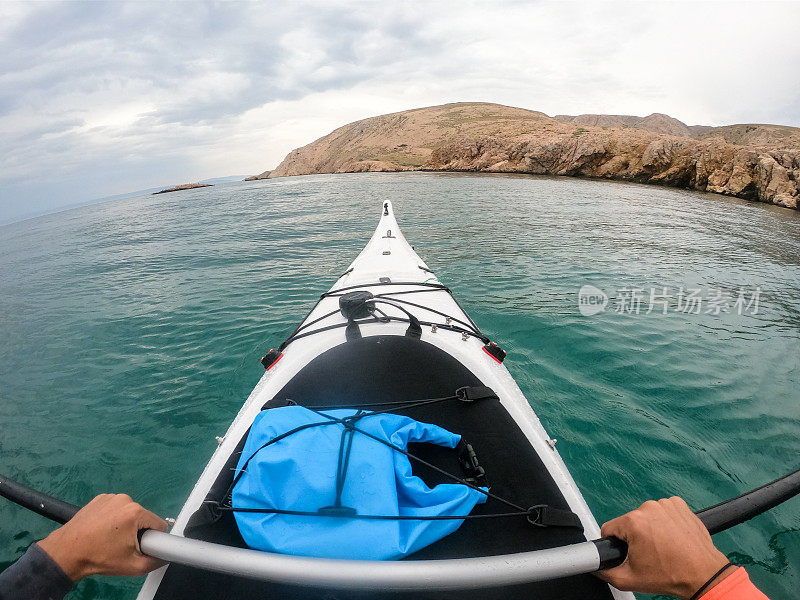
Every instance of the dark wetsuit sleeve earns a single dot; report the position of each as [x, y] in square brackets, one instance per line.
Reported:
[35, 576]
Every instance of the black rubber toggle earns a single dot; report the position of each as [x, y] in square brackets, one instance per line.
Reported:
[270, 358]
[495, 351]
[352, 331]
[475, 392]
[337, 511]
[414, 328]
[386, 209]
[354, 305]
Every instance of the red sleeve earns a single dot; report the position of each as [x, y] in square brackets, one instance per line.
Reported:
[736, 586]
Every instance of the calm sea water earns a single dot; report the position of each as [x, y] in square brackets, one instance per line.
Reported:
[132, 330]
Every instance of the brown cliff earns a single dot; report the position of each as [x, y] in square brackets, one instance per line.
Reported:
[756, 162]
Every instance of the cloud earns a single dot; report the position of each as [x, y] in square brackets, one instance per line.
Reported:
[101, 98]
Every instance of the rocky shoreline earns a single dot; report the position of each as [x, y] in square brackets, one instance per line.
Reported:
[264, 175]
[185, 186]
[755, 162]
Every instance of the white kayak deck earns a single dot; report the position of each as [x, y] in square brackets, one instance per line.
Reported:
[388, 255]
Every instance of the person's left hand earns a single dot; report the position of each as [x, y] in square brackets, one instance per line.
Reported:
[102, 539]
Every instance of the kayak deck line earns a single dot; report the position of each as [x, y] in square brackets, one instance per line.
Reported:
[369, 302]
[474, 476]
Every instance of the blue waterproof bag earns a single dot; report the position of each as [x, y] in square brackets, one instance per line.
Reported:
[303, 472]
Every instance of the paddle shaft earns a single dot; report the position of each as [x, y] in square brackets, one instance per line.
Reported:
[612, 551]
[719, 517]
[47, 506]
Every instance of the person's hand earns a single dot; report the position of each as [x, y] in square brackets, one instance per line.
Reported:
[102, 539]
[669, 550]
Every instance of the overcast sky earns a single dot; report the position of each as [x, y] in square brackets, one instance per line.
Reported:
[99, 99]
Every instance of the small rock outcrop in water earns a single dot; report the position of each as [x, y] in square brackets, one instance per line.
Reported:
[264, 175]
[185, 186]
[756, 162]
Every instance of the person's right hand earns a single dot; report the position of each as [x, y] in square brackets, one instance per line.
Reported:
[669, 550]
[102, 539]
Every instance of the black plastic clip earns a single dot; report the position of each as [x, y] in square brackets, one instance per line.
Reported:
[270, 358]
[475, 474]
[337, 511]
[475, 392]
[495, 351]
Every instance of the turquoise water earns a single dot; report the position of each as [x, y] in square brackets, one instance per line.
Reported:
[132, 331]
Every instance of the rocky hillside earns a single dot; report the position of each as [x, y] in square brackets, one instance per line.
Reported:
[757, 162]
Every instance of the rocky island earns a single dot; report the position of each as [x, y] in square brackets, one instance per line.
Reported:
[185, 186]
[756, 162]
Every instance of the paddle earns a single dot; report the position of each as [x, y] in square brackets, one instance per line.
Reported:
[40, 503]
[612, 551]
[716, 518]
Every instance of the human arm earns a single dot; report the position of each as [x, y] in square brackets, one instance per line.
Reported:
[671, 552]
[102, 538]
[34, 576]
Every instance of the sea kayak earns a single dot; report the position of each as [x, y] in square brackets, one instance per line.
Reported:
[389, 333]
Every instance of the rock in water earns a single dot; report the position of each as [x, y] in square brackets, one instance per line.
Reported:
[264, 175]
[185, 186]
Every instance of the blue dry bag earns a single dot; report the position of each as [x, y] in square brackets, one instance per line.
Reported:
[298, 472]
